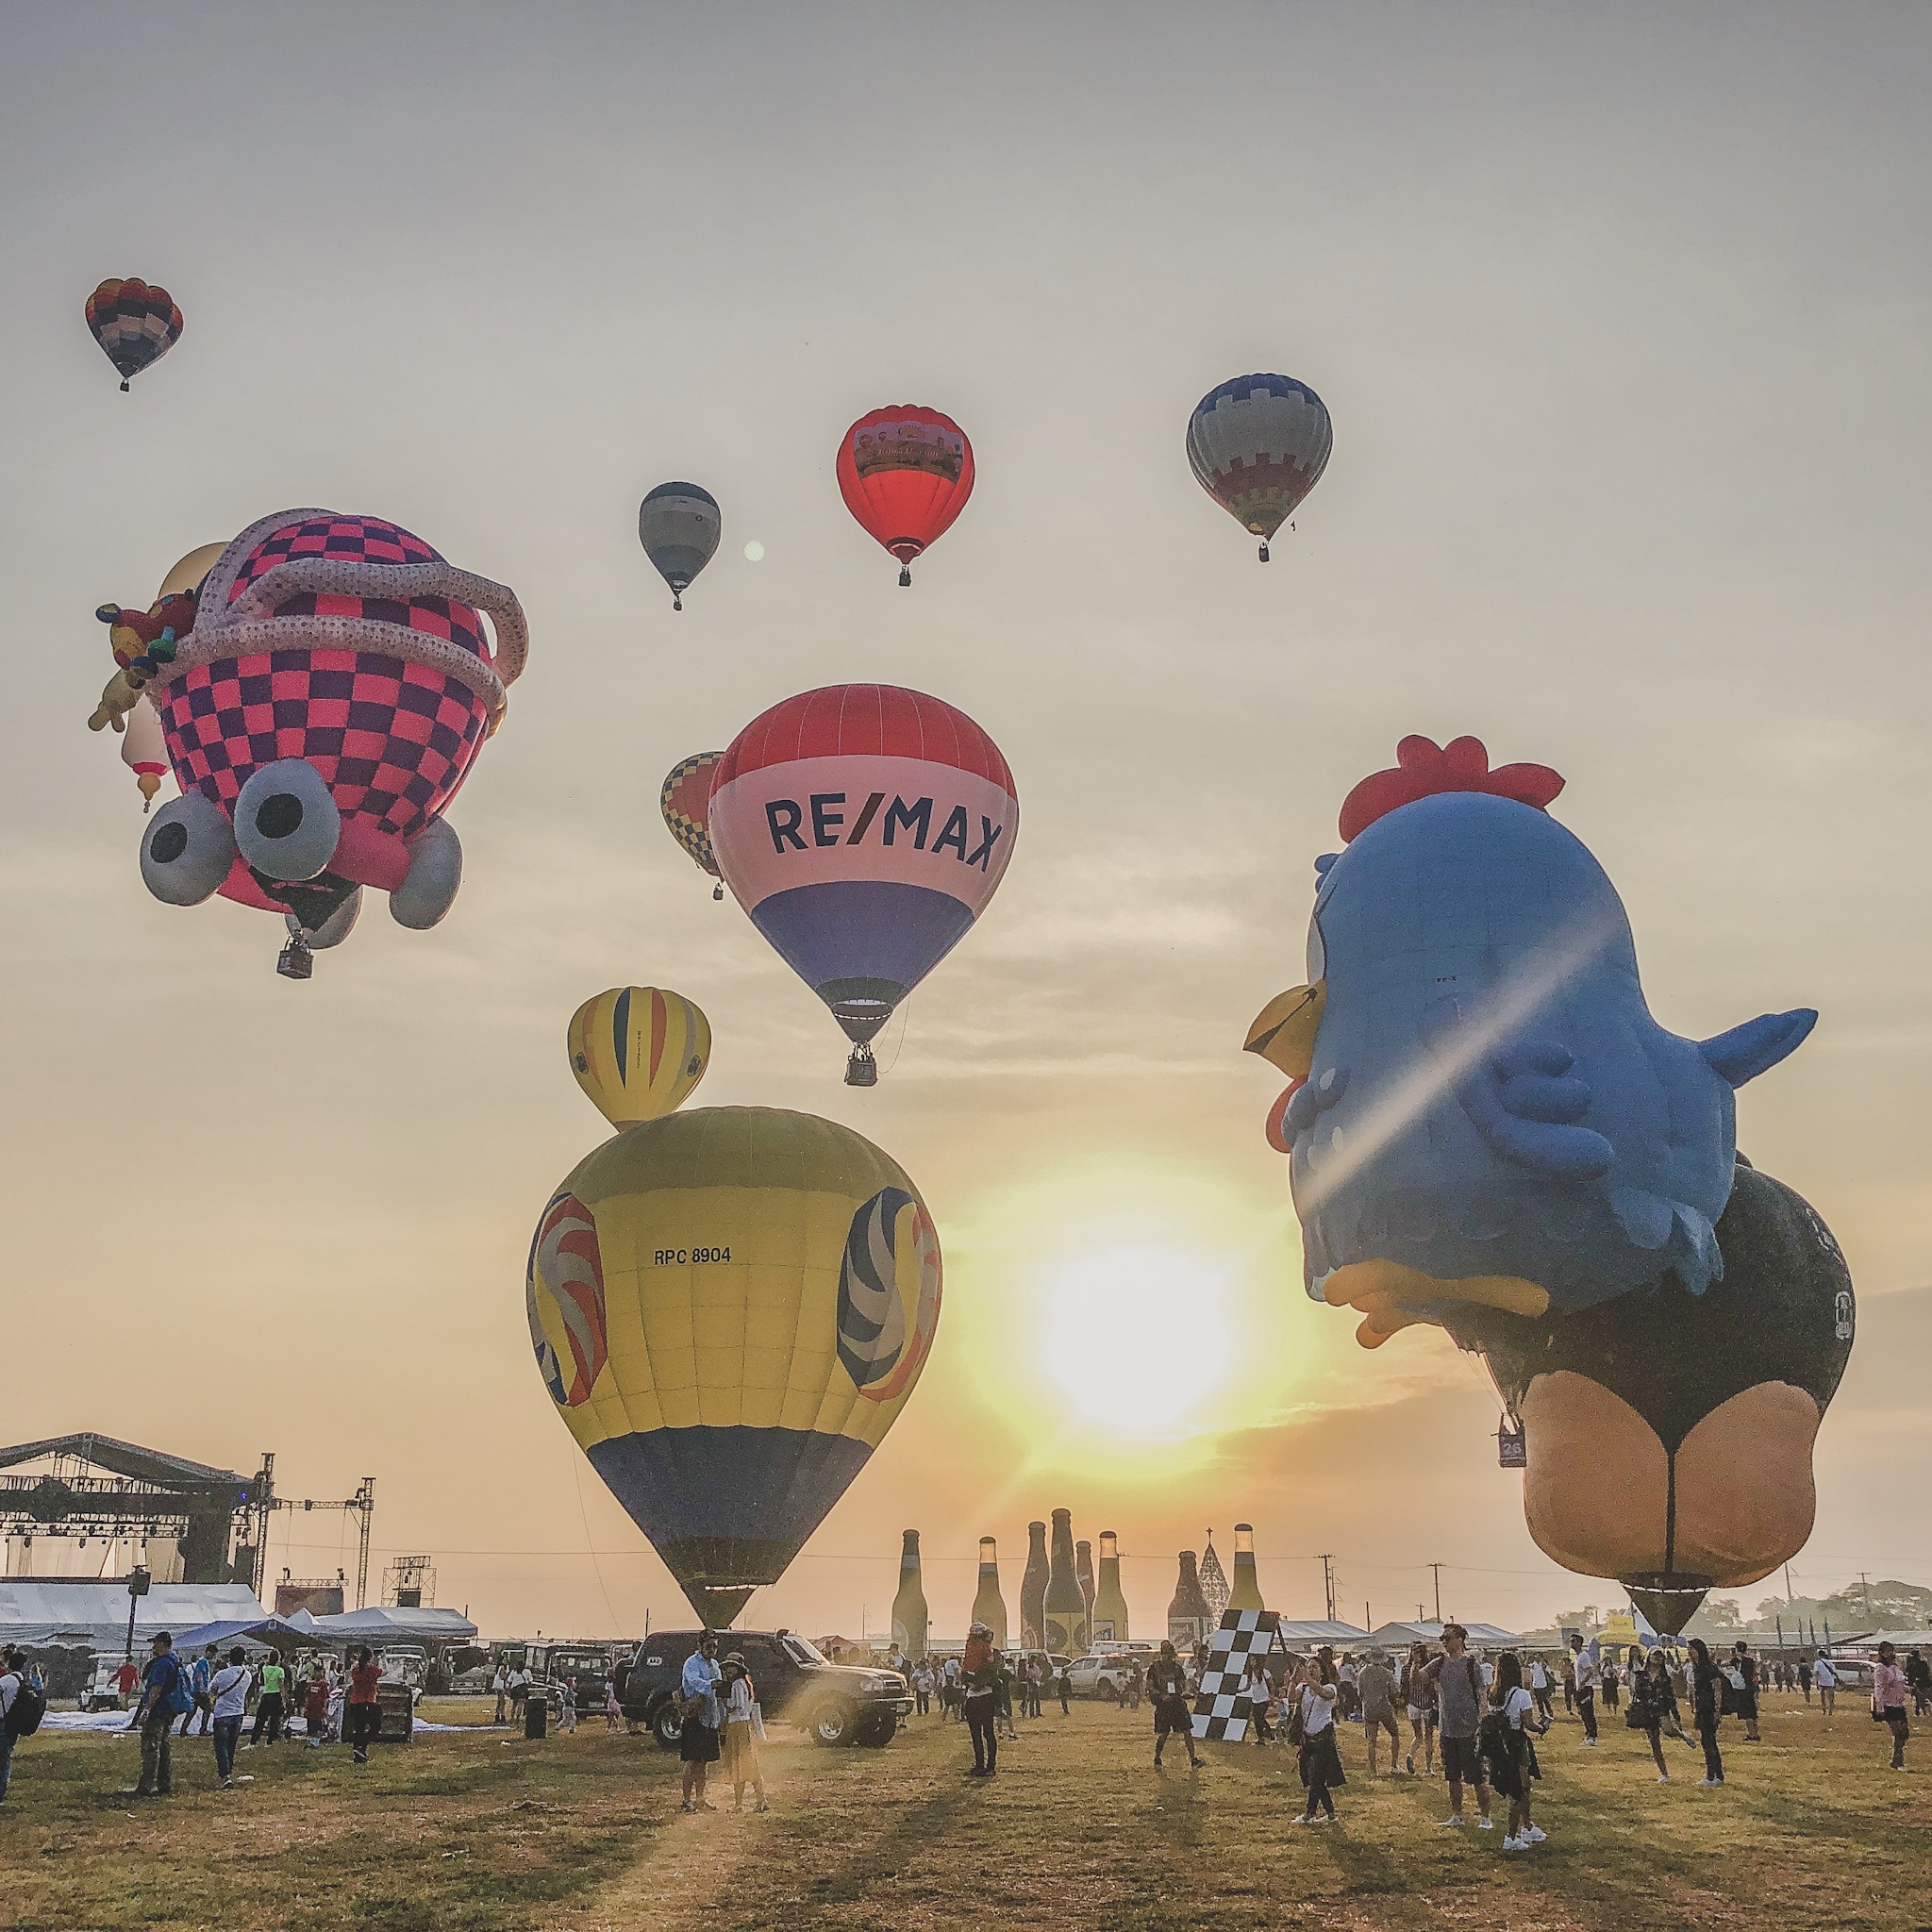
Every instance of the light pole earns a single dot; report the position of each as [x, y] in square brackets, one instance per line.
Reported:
[1437, 1568]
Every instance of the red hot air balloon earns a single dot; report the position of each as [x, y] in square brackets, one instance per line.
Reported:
[905, 472]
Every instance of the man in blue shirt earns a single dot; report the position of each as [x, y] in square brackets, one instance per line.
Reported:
[698, 1744]
[156, 1714]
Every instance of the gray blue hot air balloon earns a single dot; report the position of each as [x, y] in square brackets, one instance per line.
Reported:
[678, 524]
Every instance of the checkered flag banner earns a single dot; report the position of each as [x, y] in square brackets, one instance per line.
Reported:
[1222, 1709]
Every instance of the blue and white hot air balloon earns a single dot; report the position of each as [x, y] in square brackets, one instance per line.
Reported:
[1258, 445]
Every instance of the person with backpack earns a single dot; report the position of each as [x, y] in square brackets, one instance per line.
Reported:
[228, 1698]
[1654, 1709]
[1459, 1695]
[1507, 1752]
[164, 1696]
[23, 1705]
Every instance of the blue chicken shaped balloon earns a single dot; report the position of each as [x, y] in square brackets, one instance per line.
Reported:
[1482, 1108]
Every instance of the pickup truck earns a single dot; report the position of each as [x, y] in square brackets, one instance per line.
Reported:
[837, 1703]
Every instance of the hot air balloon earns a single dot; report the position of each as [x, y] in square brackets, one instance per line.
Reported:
[686, 803]
[135, 324]
[1258, 445]
[864, 828]
[905, 472]
[1668, 1434]
[321, 700]
[637, 1051]
[678, 524]
[729, 1308]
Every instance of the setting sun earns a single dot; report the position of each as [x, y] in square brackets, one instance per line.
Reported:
[1137, 1337]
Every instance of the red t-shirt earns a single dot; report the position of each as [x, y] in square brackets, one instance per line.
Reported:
[362, 1682]
[315, 1701]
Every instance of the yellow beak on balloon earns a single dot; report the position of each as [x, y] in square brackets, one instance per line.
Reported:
[1284, 1030]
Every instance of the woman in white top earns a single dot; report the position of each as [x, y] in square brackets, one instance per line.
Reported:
[1509, 1766]
[1321, 1762]
[1260, 1692]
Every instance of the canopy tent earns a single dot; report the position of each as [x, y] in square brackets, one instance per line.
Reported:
[391, 1626]
[1316, 1631]
[300, 1629]
[1481, 1635]
[94, 1616]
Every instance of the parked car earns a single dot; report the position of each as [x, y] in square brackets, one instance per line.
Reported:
[1103, 1673]
[839, 1704]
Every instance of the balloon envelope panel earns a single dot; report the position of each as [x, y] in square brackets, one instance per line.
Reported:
[768, 1288]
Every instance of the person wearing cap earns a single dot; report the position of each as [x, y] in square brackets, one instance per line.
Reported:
[697, 1743]
[741, 1726]
[1173, 1715]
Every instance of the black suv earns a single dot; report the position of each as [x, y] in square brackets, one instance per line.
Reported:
[836, 1702]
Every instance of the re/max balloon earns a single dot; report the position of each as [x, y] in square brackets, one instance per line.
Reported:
[135, 323]
[1258, 445]
[731, 1307]
[638, 1052]
[678, 524]
[864, 828]
[905, 473]
[685, 801]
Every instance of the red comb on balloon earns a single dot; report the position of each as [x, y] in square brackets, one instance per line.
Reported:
[1424, 768]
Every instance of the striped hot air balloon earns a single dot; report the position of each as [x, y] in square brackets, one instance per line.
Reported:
[731, 1307]
[864, 827]
[678, 524]
[638, 1052]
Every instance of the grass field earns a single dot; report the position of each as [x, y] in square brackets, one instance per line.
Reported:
[476, 1832]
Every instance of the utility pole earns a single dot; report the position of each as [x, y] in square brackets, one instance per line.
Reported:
[1328, 1583]
[1788, 1586]
[1865, 1584]
[1437, 1569]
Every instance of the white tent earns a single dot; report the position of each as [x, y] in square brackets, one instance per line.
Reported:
[95, 1615]
[377, 1626]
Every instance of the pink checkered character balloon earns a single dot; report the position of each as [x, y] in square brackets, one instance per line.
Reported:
[336, 684]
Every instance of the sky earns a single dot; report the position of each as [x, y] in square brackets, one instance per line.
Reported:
[1622, 320]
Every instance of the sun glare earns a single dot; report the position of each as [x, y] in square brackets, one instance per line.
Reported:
[1138, 1338]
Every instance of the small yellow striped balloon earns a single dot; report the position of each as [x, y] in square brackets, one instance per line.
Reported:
[637, 1051]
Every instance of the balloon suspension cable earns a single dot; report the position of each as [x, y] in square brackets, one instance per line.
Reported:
[904, 576]
[296, 960]
[1264, 550]
[861, 1070]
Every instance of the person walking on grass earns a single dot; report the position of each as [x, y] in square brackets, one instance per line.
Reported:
[1419, 1699]
[981, 1680]
[1259, 1690]
[1654, 1709]
[1611, 1680]
[1374, 1685]
[1167, 1681]
[1743, 1677]
[1708, 1687]
[499, 1682]
[1824, 1674]
[1888, 1702]
[199, 1671]
[1460, 1697]
[164, 1696]
[315, 1706]
[1318, 1760]
[1135, 1682]
[1540, 1690]
[1064, 1685]
[741, 1725]
[12, 1682]
[614, 1711]
[1506, 1751]
[1583, 1675]
[268, 1707]
[697, 1745]
[1918, 1681]
[363, 1713]
[229, 1697]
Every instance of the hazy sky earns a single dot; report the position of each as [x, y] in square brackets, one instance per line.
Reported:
[1623, 318]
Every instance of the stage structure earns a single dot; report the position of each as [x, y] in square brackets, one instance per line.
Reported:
[89, 1486]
